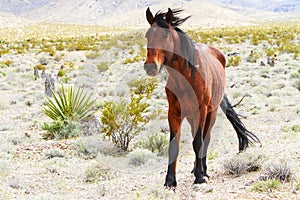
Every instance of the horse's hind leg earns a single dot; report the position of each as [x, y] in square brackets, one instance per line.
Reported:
[210, 121]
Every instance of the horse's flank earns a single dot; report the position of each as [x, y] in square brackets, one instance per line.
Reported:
[211, 68]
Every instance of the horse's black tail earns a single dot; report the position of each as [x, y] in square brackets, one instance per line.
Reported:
[245, 137]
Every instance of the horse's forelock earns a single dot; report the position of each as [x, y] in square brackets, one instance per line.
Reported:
[187, 44]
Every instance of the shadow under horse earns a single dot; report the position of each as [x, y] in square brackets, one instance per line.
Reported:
[195, 88]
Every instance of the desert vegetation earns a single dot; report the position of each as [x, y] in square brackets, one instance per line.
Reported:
[104, 134]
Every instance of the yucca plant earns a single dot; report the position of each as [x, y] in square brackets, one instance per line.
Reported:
[69, 106]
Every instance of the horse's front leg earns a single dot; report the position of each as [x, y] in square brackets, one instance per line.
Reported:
[175, 124]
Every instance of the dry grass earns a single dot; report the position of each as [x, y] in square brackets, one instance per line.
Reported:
[244, 162]
[277, 171]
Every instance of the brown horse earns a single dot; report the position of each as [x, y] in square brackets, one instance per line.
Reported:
[195, 88]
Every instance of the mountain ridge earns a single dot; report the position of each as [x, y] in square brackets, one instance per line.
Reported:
[131, 13]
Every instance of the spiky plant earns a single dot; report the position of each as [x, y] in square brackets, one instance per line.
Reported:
[69, 106]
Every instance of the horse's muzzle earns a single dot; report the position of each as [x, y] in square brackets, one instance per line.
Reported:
[151, 69]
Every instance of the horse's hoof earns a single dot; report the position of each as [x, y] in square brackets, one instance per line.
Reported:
[206, 175]
[200, 181]
[170, 182]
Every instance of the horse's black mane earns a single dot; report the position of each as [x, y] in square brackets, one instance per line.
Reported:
[187, 44]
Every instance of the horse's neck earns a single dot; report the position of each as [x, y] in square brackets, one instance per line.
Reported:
[180, 76]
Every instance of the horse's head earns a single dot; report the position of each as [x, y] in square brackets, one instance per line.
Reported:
[160, 41]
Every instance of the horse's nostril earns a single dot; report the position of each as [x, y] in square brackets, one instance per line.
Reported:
[150, 68]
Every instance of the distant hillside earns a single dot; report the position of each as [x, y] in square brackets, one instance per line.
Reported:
[131, 13]
[270, 5]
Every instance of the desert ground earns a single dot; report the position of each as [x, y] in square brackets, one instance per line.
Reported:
[34, 168]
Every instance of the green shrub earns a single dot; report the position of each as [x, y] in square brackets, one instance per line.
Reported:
[52, 153]
[103, 66]
[61, 72]
[143, 86]
[95, 172]
[212, 155]
[293, 128]
[6, 63]
[86, 150]
[298, 186]
[67, 109]
[61, 130]
[40, 67]
[65, 79]
[253, 56]
[93, 55]
[234, 61]
[2, 73]
[157, 142]
[122, 120]
[140, 157]
[266, 186]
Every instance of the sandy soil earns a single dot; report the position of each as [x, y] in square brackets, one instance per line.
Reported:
[27, 171]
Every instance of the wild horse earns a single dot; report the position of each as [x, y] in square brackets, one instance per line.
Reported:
[195, 88]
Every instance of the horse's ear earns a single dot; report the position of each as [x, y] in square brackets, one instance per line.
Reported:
[169, 16]
[149, 16]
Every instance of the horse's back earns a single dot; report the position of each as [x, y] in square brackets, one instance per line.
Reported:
[218, 54]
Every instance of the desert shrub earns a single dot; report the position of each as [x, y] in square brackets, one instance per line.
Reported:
[2, 66]
[293, 128]
[61, 72]
[142, 86]
[6, 63]
[69, 65]
[95, 172]
[266, 186]
[277, 171]
[67, 109]
[253, 56]
[296, 84]
[212, 155]
[52, 153]
[122, 120]
[43, 60]
[40, 67]
[270, 52]
[89, 147]
[65, 79]
[298, 186]
[93, 55]
[296, 55]
[234, 61]
[140, 157]
[4, 51]
[2, 73]
[58, 129]
[244, 162]
[157, 142]
[103, 66]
